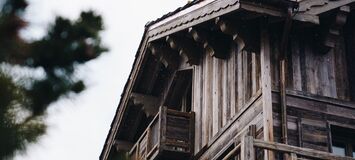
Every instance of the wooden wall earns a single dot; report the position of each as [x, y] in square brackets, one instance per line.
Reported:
[252, 115]
[221, 87]
[309, 70]
[320, 88]
[310, 118]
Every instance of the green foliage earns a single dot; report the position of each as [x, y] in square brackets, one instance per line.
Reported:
[23, 103]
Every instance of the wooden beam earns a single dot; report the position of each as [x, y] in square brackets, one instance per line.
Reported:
[167, 87]
[228, 28]
[244, 36]
[153, 77]
[214, 44]
[150, 103]
[283, 75]
[122, 145]
[333, 33]
[168, 57]
[312, 153]
[131, 124]
[316, 7]
[185, 46]
[276, 12]
[265, 59]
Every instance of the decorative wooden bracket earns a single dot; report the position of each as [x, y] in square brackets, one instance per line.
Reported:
[164, 54]
[230, 29]
[185, 46]
[332, 34]
[214, 44]
[243, 36]
[308, 4]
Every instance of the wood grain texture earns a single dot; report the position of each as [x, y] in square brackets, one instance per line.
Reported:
[222, 87]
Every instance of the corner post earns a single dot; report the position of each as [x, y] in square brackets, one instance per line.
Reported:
[247, 148]
[266, 87]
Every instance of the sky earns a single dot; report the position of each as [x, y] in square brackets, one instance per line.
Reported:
[78, 127]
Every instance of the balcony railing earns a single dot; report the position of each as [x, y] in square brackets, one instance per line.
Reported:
[170, 135]
[246, 151]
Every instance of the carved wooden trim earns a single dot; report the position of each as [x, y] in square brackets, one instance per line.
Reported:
[333, 33]
[164, 54]
[186, 47]
[214, 44]
[228, 28]
[243, 36]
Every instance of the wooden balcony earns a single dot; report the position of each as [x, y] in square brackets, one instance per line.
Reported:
[170, 135]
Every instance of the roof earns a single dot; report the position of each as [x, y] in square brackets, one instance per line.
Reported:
[173, 12]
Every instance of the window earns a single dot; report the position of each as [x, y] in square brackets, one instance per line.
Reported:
[180, 93]
[343, 141]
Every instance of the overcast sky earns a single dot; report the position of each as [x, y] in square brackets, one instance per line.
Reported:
[78, 127]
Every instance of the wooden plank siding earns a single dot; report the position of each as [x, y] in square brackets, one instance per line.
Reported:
[310, 71]
[252, 115]
[318, 89]
[221, 87]
[308, 120]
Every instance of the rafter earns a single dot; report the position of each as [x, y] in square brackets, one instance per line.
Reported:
[230, 29]
[243, 36]
[185, 47]
[214, 44]
[164, 54]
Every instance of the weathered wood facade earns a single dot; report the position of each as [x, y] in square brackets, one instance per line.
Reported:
[241, 79]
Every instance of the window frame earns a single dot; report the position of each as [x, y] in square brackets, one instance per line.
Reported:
[345, 141]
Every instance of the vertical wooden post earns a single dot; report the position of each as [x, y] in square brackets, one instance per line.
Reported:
[192, 133]
[282, 74]
[247, 148]
[252, 130]
[266, 88]
[293, 156]
[162, 138]
[283, 102]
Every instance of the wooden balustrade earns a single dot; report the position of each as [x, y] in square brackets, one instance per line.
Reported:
[246, 151]
[170, 135]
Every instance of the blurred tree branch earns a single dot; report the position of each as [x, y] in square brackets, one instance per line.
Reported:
[66, 45]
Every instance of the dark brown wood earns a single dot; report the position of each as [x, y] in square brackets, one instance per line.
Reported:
[238, 68]
[214, 44]
[164, 54]
[231, 29]
[283, 101]
[186, 47]
[169, 131]
[297, 150]
[333, 33]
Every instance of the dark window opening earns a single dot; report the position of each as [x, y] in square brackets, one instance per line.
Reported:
[180, 93]
[343, 141]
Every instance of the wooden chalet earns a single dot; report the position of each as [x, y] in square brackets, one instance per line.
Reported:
[241, 80]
